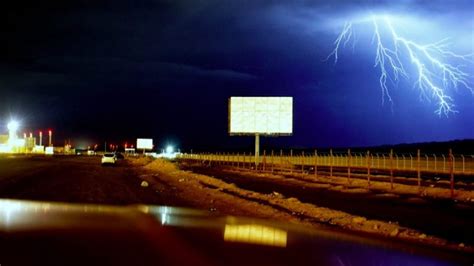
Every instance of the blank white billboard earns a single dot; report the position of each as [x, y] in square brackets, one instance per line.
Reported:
[261, 115]
[145, 144]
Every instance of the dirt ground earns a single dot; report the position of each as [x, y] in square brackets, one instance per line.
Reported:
[220, 197]
[81, 179]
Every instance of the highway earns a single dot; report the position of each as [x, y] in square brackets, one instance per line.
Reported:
[78, 179]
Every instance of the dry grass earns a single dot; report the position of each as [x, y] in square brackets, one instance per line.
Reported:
[162, 166]
[139, 161]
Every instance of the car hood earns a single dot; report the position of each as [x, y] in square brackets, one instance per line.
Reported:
[82, 234]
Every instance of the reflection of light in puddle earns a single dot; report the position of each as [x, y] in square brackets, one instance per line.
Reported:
[255, 234]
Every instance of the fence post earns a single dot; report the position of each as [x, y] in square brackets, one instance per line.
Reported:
[411, 162]
[272, 161]
[403, 158]
[302, 162]
[435, 161]
[451, 171]
[426, 156]
[349, 166]
[291, 161]
[330, 163]
[368, 168]
[316, 163]
[463, 163]
[391, 169]
[264, 160]
[419, 168]
[383, 156]
[444, 163]
[378, 161]
[281, 159]
[250, 161]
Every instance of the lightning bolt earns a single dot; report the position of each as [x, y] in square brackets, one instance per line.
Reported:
[433, 75]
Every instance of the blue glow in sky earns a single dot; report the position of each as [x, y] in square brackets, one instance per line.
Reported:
[167, 69]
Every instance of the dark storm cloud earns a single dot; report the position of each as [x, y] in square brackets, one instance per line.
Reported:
[69, 59]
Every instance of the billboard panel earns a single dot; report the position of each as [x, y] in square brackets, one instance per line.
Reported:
[261, 115]
[145, 144]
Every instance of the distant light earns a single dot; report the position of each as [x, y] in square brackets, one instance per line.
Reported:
[13, 126]
[49, 150]
[169, 149]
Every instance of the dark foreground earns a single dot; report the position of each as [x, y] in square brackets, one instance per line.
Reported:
[69, 234]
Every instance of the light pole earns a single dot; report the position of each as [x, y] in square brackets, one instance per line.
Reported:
[12, 128]
[50, 134]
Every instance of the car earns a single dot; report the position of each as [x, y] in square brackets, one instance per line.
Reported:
[109, 158]
[147, 234]
[119, 156]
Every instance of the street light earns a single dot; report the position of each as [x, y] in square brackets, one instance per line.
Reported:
[13, 126]
[169, 149]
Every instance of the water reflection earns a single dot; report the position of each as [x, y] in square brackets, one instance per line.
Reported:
[255, 234]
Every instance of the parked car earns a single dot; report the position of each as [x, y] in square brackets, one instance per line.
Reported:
[109, 158]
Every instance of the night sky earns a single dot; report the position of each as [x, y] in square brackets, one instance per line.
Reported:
[116, 70]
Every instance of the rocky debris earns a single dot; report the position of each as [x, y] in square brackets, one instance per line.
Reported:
[358, 220]
[394, 232]
[293, 199]
[277, 195]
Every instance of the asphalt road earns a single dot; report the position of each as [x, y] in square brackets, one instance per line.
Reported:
[77, 179]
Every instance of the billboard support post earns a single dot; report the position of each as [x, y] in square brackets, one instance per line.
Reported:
[257, 149]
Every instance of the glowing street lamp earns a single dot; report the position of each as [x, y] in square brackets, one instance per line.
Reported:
[169, 149]
[12, 128]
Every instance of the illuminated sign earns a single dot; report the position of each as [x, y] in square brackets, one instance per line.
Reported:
[261, 115]
[145, 144]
